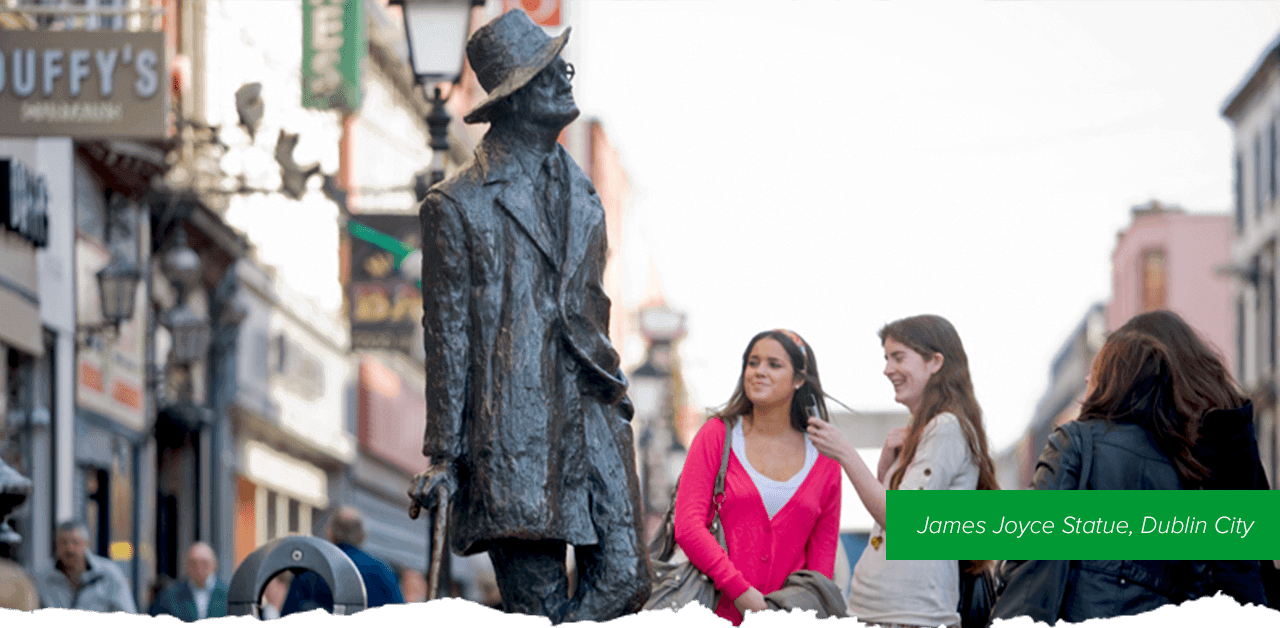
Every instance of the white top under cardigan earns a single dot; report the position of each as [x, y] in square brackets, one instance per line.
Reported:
[773, 493]
[917, 592]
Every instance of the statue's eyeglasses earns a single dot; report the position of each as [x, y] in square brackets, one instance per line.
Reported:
[548, 73]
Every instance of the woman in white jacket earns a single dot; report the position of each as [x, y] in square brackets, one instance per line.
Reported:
[943, 447]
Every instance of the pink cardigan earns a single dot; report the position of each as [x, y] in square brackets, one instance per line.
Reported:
[762, 552]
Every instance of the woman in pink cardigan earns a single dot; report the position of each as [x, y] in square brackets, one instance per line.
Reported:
[781, 506]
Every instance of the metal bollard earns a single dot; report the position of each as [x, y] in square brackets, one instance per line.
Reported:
[296, 553]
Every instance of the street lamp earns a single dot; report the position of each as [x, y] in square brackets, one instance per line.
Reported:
[653, 391]
[437, 33]
[117, 283]
[189, 330]
[190, 333]
[660, 323]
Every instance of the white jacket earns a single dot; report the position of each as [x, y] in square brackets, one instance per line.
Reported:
[103, 588]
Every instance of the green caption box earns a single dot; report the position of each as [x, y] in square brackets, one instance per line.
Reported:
[1076, 525]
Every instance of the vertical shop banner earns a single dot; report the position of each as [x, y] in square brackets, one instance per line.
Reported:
[545, 13]
[333, 45]
[386, 305]
[109, 376]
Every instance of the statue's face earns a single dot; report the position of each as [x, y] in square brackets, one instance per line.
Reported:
[548, 98]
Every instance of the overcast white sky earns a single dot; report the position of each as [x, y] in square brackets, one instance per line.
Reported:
[832, 166]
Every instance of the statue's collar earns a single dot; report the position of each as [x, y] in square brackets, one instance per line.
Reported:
[509, 161]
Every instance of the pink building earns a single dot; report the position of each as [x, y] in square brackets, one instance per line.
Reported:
[1166, 260]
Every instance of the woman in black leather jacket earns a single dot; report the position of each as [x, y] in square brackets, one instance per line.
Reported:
[1227, 444]
[1142, 417]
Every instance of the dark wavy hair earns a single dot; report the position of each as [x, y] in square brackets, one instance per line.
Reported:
[1135, 379]
[1209, 383]
[809, 393]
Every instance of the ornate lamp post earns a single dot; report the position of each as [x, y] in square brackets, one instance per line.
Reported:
[190, 331]
[437, 32]
[117, 285]
[652, 391]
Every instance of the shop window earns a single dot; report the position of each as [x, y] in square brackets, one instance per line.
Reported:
[272, 515]
[1271, 161]
[1154, 288]
[1271, 325]
[85, 19]
[97, 509]
[1240, 375]
[18, 387]
[1239, 174]
[121, 535]
[276, 514]
[294, 516]
[1257, 175]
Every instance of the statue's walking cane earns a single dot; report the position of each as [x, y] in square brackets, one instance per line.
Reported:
[437, 542]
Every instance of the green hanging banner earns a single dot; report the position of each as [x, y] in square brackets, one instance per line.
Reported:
[333, 45]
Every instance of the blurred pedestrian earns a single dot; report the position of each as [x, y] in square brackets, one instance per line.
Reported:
[1226, 444]
[198, 596]
[413, 586]
[1137, 430]
[273, 595]
[81, 579]
[943, 447]
[158, 585]
[346, 530]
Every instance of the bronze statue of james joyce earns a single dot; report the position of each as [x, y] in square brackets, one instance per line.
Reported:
[528, 418]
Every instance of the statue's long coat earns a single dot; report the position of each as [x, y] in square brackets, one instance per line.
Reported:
[523, 386]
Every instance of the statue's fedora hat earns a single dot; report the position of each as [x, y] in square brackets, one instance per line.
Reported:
[506, 54]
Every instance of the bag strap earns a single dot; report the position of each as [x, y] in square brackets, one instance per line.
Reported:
[718, 497]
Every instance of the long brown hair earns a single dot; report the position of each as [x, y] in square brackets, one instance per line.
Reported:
[809, 393]
[1136, 380]
[1209, 383]
[948, 390]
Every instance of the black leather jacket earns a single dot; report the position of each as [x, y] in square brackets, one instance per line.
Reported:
[1126, 457]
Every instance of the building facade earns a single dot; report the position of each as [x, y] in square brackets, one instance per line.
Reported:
[1252, 110]
[1168, 259]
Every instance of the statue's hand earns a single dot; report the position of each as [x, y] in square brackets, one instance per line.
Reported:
[424, 491]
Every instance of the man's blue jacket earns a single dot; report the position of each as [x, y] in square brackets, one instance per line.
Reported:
[309, 591]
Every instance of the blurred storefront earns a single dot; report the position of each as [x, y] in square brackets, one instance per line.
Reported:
[292, 440]
[392, 418]
[99, 130]
[26, 382]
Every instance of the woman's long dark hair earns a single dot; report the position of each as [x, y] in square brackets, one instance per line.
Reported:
[809, 393]
[1209, 383]
[1135, 379]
